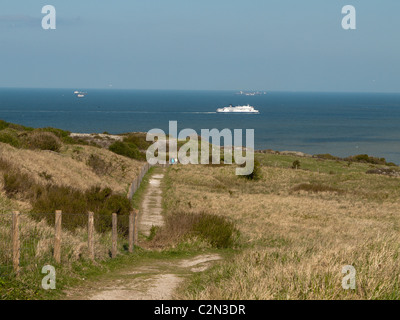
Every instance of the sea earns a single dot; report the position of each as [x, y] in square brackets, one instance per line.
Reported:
[341, 124]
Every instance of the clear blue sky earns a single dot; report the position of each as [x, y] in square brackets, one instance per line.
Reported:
[277, 45]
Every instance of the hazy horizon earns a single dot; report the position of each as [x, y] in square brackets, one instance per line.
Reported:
[205, 90]
[280, 46]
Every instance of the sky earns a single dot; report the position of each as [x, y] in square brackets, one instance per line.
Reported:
[273, 45]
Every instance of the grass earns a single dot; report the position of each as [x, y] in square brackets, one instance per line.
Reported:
[43, 140]
[99, 165]
[139, 194]
[208, 230]
[47, 198]
[72, 166]
[28, 286]
[312, 164]
[298, 227]
[127, 149]
[34, 180]
[315, 187]
[37, 239]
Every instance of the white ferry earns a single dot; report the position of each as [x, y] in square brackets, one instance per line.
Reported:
[243, 109]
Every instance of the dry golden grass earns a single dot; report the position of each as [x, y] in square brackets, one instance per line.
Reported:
[296, 243]
[70, 167]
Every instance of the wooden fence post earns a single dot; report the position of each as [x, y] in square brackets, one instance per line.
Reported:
[131, 231]
[15, 240]
[114, 235]
[91, 234]
[135, 225]
[57, 239]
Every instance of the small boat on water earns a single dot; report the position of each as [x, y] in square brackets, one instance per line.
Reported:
[80, 94]
[242, 109]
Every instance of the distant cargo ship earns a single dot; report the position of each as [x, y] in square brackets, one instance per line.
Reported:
[243, 109]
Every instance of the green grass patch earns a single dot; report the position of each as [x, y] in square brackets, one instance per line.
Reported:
[139, 194]
[127, 149]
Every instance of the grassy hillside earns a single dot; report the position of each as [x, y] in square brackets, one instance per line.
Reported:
[72, 166]
[299, 228]
[42, 170]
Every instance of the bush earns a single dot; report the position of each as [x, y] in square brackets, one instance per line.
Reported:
[5, 165]
[12, 185]
[364, 158]
[57, 132]
[98, 165]
[180, 226]
[257, 172]
[62, 134]
[10, 138]
[296, 164]
[127, 149]
[139, 140]
[3, 124]
[44, 141]
[219, 232]
[326, 156]
[19, 127]
[75, 204]
[16, 183]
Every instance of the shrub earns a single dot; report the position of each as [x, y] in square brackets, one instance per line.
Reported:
[10, 138]
[364, 158]
[127, 149]
[296, 164]
[12, 185]
[98, 165]
[216, 230]
[139, 140]
[219, 232]
[3, 124]
[17, 183]
[326, 156]
[57, 132]
[76, 203]
[44, 141]
[5, 165]
[256, 174]
[19, 127]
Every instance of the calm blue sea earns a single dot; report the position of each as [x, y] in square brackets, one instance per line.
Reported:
[338, 123]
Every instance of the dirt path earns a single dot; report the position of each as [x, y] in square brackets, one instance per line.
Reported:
[152, 279]
[150, 213]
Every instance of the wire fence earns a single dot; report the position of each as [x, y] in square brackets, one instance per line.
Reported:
[138, 180]
[5, 243]
[29, 240]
